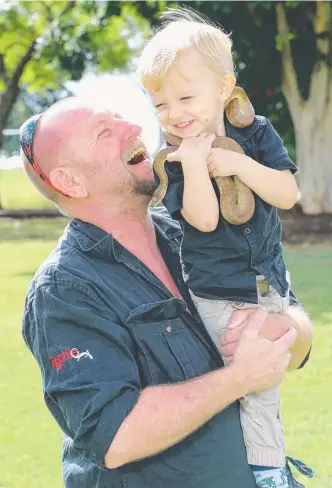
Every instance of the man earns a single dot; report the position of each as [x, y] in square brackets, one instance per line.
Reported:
[128, 371]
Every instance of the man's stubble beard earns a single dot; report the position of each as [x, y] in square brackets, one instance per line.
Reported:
[145, 188]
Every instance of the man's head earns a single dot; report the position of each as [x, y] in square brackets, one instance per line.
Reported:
[187, 70]
[82, 156]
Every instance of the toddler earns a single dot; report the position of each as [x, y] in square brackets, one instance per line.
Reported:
[187, 70]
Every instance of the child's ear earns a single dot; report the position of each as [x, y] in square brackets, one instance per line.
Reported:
[227, 84]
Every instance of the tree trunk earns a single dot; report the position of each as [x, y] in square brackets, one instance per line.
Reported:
[313, 131]
[8, 99]
[9, 96]
[312, 118]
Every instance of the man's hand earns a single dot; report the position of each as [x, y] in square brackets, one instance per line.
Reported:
[193, 150]
[259, 363]
[274, 327]
[222, 162]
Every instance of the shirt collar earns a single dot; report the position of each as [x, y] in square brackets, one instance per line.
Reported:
[241, 135]
[92, 239]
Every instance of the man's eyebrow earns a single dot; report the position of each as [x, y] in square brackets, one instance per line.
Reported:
[98, 119]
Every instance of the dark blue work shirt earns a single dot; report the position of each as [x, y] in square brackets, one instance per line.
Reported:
[223, 264]
[103, 327]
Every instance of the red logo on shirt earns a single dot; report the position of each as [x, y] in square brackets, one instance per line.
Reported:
[74, 353]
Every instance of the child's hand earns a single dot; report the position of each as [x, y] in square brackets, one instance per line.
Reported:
[222, 162]
[193, 149]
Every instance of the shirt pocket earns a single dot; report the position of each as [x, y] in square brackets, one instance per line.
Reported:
[164, 343]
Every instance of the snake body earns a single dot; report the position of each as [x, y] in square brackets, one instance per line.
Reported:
[237, 203]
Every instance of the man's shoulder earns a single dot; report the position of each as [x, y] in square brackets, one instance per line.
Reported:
[60, 266]
[162, 219]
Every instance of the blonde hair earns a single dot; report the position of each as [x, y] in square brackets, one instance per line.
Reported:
[183, 28]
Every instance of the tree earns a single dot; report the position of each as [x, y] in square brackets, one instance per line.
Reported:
[311, 112]
[283, 55]
[43, 44]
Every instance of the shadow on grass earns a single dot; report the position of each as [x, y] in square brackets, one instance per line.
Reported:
[25, 274]
[32, 229]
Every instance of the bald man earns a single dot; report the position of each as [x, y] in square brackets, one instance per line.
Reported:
[128, 370]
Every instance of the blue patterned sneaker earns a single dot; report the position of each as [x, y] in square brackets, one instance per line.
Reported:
[271, 477]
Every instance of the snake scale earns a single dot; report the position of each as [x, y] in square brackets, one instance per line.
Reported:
[237, 203]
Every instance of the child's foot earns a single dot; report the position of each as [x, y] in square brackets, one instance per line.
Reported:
[267, 477]
[271, 478]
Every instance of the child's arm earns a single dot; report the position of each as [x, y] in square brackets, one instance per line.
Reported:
[276, 187]
[200, 205]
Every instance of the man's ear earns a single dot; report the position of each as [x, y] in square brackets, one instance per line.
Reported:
[227, 84]
[64, 179]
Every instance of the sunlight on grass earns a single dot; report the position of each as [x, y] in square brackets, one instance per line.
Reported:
[30, 447]
[17, 192]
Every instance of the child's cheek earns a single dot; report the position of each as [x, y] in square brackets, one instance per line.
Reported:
[162, 118]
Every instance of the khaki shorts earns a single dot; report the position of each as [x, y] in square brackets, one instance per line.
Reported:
[259, 412]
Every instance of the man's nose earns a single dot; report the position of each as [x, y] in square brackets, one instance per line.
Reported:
[130, 131]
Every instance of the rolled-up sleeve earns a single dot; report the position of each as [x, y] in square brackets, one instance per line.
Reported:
[90, 376]
[271, 150]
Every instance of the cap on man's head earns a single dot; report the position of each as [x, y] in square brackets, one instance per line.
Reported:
[27, 132]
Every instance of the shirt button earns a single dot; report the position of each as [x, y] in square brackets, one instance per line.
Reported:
[247, 230]
[169, 328]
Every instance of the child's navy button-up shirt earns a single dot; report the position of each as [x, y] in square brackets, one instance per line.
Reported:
[223, 264]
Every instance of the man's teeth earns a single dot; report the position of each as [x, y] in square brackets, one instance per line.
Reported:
[136, 152]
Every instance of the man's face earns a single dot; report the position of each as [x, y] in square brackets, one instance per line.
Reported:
[190, 99]
[115, 156]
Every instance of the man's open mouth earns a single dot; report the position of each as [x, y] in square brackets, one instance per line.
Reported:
[137, 157]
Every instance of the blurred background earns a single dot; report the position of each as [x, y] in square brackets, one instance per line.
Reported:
[53, 49]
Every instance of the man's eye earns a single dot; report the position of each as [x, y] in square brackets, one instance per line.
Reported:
[104, 132]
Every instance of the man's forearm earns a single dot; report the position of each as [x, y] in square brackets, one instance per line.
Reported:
[164, 415]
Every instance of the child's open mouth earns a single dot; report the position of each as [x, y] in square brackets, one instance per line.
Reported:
[184, 125]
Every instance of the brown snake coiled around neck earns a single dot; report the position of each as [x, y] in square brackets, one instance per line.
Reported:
[237, 203]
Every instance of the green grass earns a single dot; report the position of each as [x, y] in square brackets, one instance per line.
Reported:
[17, 192]
[30, 446]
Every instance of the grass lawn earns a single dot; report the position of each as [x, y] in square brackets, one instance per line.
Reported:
[30, 447]
[17, 192]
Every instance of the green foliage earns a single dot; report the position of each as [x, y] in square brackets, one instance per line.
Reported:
[18, 192]
[257, 48]
[69, 37]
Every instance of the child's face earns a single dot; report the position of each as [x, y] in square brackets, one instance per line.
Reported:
[192, 96]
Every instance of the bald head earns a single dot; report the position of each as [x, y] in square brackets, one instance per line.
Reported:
[52, 140]
[81, 158]
[55, 131]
